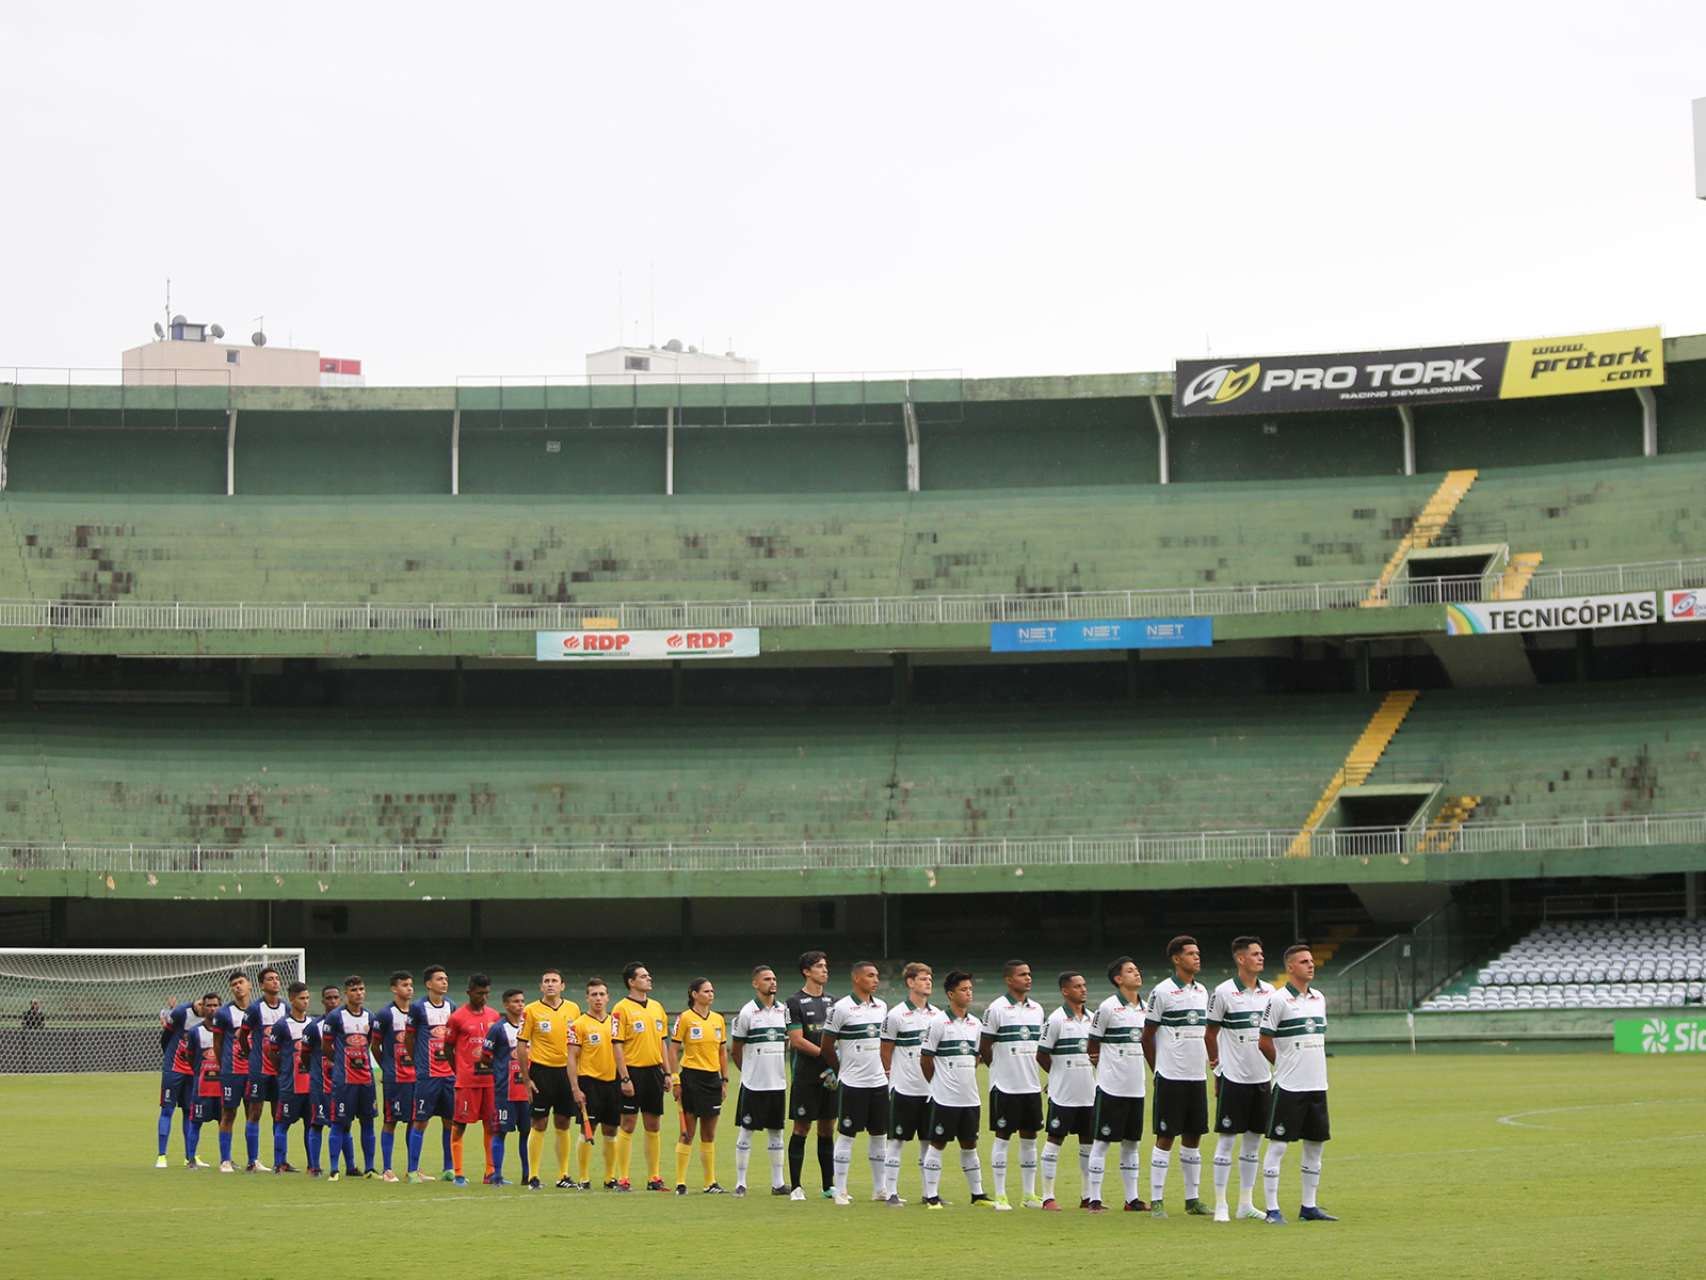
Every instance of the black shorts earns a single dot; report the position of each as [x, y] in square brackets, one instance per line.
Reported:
[1117, 1117]
[1298, 1117]
[603, 1101]
[1181, 1108]
[1071, 1122]
[810, 1100]
[1243, 1108]
[648, 1092]
[551, 1092]
[701, 1092]
[1011, 1113]
[953, 1124]
[862, 1110]
[761, 1108]
[909, 1116]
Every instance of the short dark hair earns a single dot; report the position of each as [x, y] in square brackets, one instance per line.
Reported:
[1066, 976]
[1119, 963]
[954, 978]
[1013, 966]
[761, 968]
[810, 958]
[262, 975]
[354, 980]
[1245, 940]
[546, 973]
[235, 974]
[330, 986]
[512, 991]
[401, 975]
[630, 969]
[597, 982]
[211, 995]
[862, 964]
[1176, 947]
[426, 973]
[1296, 947]
[693, 987]
[479, 980]
[296, 988]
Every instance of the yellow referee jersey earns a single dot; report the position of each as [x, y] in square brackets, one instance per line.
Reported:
[639, 1029]
[701, 1040]
[593, 1037]
[546, 1031]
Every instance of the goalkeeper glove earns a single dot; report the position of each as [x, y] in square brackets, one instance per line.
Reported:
[828, 1078]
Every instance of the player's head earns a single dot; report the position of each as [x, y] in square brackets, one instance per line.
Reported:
[814, 967]
[764, 980]
[597, 996]
[1185, 955]
[1073, 989]
[515, 1003]
[637, 978]
[1017, 974]
[700, 993]
[551, 984]
[329, 995]
[958, 986]
[436, 980]
[355, 991]
[298, 995]
[402, 986]
[1247, 954]
[208, 1005]
[1300, 963]
[864, 977]
[239, 984]
[1125, 975]
[479, 989]
[920, 979]
[269, 980]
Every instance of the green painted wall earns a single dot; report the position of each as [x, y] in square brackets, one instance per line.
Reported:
[1286, 446]
[1682, 408]
[1056, 442]
[83, 460]
[614, 461]
[822, 459]
[336, 453]
[1516, 433]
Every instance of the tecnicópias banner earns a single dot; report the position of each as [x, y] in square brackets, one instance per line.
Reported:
[1615, 361]
[1101, 633]
[1660, 1033]
[619, 646]
[1572, 613]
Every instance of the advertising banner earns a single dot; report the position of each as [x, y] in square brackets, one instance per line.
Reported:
[1572, 613]
[1685, 604]
[1618, 361]
[1660, 1033]
[1101, 633]
[641, 646]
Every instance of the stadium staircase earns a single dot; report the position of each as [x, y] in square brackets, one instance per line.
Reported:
[1435, 515]
[1364, 754]
[1513, 583]
[1441, 833]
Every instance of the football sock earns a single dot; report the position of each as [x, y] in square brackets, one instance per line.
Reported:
[311, 1141]
[891, 1167]
[1249, 1166]
[1097, 1169]
[654, 1155]
[192, 1139]
[536, 1147]
[456, 1153]
[1190, 1164]
[683, 1157]
[164, 1128]
[1271, 1174]
[826, 1159]
[1051, 1164]
[973, 1169]
[340, 1145]
[412, 1144]
[280, 1144]
[796, 1158]
[366, 1145]
[1131, 1169]
[563, 1137]
[1159, 1162]
[583, 1161]
[998, 1167]
[843, 1160]
[252, 1139]
[527, 1165]
[932, 1173]
[1083, 1166]
[336, 1152]
[1028, 1166]
[495, 1157]
[743, 1155]
[877, 1154]
[444, 1136]
[776, 1157]
[387, 1146]
[610, 1149]
[624, 1153]
[1223, 1166]
[1311, 1171]
[225, 1146]
[708, 1158]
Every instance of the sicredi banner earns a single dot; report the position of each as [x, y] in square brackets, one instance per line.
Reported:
[1687, 604]
[1101, 633]
[643, 646]
[1574, 613]
[1614, 361]
[1660, 1033]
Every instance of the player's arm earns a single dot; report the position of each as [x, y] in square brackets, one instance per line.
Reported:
[797, 1038]
[737, 1040]
[986, 1049]
[623, 1078]
[1045, 1042]
[1270, 1021]
[885, 1046]
[671, 1054]
[723, 1064]
[1149, 1044]
[826, 1050]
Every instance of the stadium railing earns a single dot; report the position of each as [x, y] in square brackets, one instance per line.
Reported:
[1085, 850]
[1655, 575]
[1408, 967]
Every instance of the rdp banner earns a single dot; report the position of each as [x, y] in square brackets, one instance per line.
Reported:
[1573, 613]
[1617, 361]
[1101, 633]
[619, 646]
[1686, 604]
[1660, 1033]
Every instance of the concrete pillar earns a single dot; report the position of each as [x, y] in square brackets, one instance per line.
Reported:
[902, 680]
[455, 452]
[476, 924]
[1649, 422]
[677, 685]
[1164, 468]
[686, 929]
[669, 451]
[1408, 420]
[230, 452]
[1691, 894]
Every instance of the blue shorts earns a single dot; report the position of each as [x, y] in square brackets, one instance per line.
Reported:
[206, 1108]
[435, 1096]
[292, 1106]
[319, 1109]
[399, 1102]
[173, 1093]
[261, 1089]
[352, 1102]
[231, 1091]
[515, 1113]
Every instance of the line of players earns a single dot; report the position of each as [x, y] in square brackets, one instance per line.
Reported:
[843, 1066]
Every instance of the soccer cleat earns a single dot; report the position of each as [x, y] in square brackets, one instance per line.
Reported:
[1249, 1213]
[313, 1172]
[369, 1175]
[197, 1163]
[286, 1167]
[1003, 1204]
[934, 1203]
[841, 1198]
[798, 1193]
[456, 1180]
[1274, 1218]
[1093, 1206]
[893, 1201]
[1196, 1209]
[656, 1184]
[1313, 1213]
[624, 1186]
[419, 1178]
[1030, 1202]
[740, 1191]
[564, 1183]
[1051, 1205]
[449, 1175]
[1136, 1206]
[1083, 1202]
[1222, 1213]
[610, 1184]
[581, 1186]
[255, 1166]
[160, 1162]
[387, 1176]
[879, 1197]
[499, 1182]
[681, 1188]
[715, 1189]
[1156, 1211]
[784, 1192]
[828, 1193]
[335, 1175]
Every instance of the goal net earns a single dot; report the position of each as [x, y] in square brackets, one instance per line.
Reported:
[99, 1010]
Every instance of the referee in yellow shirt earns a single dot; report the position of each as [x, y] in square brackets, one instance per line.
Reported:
[595, 1059]
[702, 1048]
[639, 1025]
[542, 1046]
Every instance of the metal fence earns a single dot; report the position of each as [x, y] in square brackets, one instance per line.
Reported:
[1405, 969]
[1135, 849]
[831, 612]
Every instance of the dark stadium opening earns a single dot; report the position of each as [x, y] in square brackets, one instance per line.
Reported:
[1395, 805]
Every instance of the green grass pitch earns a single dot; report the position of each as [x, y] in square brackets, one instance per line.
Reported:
[1476, 1164]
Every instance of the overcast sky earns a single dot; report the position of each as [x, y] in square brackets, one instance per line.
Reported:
[997, 188]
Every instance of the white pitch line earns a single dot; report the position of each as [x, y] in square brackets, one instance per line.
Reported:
[1516, 1121]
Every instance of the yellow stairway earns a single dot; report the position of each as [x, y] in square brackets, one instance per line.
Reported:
[1337, 936]
[1514, 583]
[1364, 754]
[1435, 515]
[1442, 831]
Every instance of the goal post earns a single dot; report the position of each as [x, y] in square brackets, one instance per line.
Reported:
[77, 1009]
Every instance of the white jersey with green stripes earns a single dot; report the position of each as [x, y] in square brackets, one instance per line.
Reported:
[763, 1030]
[904, 1028]
[1179, 1015]
[1013, 1057]
[1238, 1011]
[1071, 1080]
[951, 1044]
[1297, 1021]
[858, 1028]
[1118, 1028]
